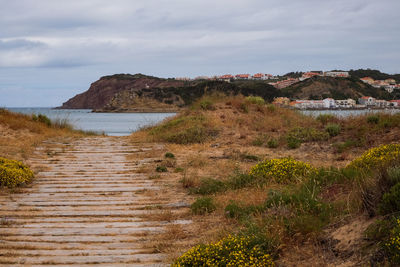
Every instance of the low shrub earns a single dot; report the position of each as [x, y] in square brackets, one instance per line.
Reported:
[206, 105]
[257, 100]
[169, 155]
[377, 157]
[307, 134]
[271, 108]
[243, 107]
[302, 209]
[230, 251]
[161, 169]
[373, 119]
[332, 129]
[238, 211]
[325, 118]
[240, 180]
[209, 186]
[203, 205]
[391, 201]
[343, 146]
[282, 170]
[293, 142]
[14, 173]
[41, 118]
[272, 143]
[394, 174]
[260, 140]
[393, 245]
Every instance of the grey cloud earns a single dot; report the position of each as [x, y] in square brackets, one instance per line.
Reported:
[187, 38]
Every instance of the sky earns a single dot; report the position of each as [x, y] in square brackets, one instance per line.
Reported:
[51, 50]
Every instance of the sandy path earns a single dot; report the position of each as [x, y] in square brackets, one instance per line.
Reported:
[86, 207]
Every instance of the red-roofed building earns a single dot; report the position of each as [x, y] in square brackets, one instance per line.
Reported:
[259, 76]
[242, 76]
[226, 77]
[368, 80]
[394, 103]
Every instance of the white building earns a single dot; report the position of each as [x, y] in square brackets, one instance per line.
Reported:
[329, 103]
[346, 103]
[344, 74]
[367, 101]
[381, 103]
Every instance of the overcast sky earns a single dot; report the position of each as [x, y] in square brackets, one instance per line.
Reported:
[51, 50]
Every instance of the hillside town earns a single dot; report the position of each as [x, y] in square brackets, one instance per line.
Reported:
[330, 103]
[281, 82]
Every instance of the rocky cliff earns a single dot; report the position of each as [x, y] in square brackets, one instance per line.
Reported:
[103, 91]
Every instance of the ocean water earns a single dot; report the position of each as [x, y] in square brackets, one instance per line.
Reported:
[113, 124]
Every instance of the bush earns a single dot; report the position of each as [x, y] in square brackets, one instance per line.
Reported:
[377, 157]
[230, 251]
[333, 129]
[303, 211]
[373, 119]
[390, 201]
[271, 108]
[394, 174]
[293, 142]
[206, 105]
[244, 108]
[272, 143]
[237, 211]
[41, 118]
[325, 118]
[161, 169]
[257, 100]
[282, 170]
[343, 146]
[209, 186]
[14, 173]
[203, 205]
[169, 155]
[393, 245]
[260, 140]
[241, 180]
[308, 134]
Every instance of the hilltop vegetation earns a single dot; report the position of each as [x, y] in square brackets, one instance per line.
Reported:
[374, 74]
[275, 186]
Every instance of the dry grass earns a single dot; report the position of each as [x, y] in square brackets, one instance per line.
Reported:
[19, 134]
[239, 124]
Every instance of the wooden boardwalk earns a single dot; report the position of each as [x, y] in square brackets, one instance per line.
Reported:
[86, 207]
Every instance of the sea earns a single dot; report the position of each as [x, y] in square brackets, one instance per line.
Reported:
[112, 124]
